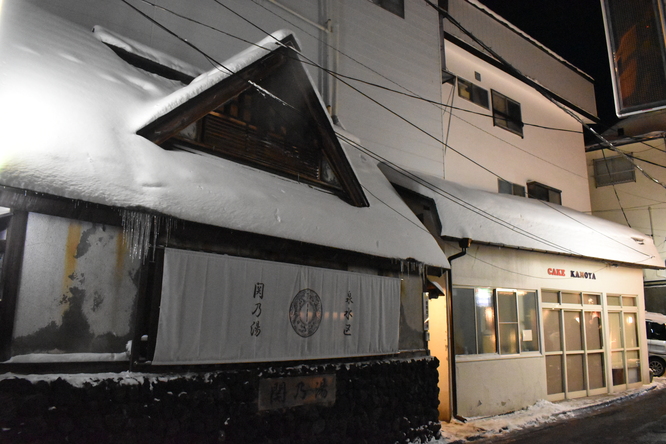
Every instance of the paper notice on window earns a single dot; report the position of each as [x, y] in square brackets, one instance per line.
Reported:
[527, 335]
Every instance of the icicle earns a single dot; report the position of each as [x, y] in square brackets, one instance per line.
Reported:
[136, 232]
[171, 224]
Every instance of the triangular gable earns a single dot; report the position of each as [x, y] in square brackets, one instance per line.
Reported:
[267, 115]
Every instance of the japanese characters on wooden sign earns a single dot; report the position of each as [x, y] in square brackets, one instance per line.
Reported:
[279, 393]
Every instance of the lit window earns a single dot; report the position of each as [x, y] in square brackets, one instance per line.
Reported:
[613, 170]
[507, 114]
[494, 321]
[473, 93]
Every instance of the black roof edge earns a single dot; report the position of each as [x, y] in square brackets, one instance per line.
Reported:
[150, 65]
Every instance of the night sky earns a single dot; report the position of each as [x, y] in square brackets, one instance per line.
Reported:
[574, 29]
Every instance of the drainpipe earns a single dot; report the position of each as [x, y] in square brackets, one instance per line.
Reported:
[464, 245]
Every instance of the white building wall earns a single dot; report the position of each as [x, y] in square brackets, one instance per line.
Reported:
[405, 56]
[523, 52]
[513, 382]
[642, 200]
[553, 157]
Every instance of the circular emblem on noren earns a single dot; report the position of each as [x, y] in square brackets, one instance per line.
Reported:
[305, 313]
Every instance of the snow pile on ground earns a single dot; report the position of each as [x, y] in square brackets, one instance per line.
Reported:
[540, 413]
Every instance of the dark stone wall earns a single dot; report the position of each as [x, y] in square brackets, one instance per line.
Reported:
[383, 401]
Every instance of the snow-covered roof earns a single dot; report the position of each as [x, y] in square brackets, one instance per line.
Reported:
[133, 47]
[655, 317]
[519, 222]
[70, 112]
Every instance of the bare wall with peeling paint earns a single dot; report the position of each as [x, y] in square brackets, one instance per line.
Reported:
[78, 288]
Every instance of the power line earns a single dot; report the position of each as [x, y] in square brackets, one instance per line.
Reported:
[539, 89]
[212, 28]
[386, 108]
[453, 198]
[339, 75]
[545, 93]
[477, 210]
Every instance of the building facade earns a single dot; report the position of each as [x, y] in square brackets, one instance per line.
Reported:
[378, 152]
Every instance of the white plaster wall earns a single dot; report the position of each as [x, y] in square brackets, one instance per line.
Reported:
[497, 386]
[637, 199]
[77, 267]
[554, 158]
[488, 385]
[506, 267]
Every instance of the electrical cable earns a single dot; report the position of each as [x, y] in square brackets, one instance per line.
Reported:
[544, 93]
[479, 210]
[381, 105]
[540, 89]
[453, 198]
[524, 274]
[411, 95]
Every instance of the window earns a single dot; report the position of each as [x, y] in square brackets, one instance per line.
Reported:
[487, 320]
[506, 187]
[253, 129]
[237, 119]
[537, 190]
[506, 113]
[397, 7]
[473, 93]
[655, 330]
[613, 170]
[573, 342]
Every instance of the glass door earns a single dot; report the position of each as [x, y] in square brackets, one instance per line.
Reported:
[573, 344]
[624, 345]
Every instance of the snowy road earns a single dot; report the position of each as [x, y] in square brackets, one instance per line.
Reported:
[634, 416]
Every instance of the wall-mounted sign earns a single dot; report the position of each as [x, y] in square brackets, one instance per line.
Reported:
[279, 393]
[218, 308]
[571, 273]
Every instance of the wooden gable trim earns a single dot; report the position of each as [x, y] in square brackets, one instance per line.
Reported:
[331, 144]
[196, 108]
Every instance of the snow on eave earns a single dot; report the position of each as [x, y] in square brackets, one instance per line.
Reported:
[87, 149]
[528, 37]
[67, 357]
[215, 75]
[133, 47]
[528, 224]
[656, 317]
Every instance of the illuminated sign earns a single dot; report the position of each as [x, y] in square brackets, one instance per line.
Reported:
[571, 273]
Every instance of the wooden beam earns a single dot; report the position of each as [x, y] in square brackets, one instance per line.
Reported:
[12, 263]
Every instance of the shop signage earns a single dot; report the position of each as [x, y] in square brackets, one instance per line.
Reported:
[217, 309]
[571, 273]
[279, 393]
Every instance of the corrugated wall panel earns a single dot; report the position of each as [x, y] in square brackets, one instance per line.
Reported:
[405, 55]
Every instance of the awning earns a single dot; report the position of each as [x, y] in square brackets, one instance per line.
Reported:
[518, 222]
